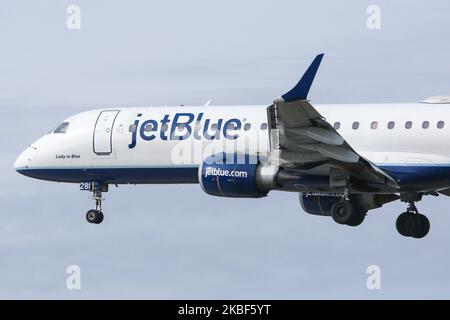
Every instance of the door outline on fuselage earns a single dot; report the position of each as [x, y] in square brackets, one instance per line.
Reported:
[110, 133]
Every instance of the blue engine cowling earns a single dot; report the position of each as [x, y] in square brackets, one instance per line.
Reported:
[318, 204]
[235, 175]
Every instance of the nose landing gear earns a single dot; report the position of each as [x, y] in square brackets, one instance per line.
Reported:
[412, 224]
[95, 216]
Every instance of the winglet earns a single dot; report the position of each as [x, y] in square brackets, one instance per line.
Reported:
[301, 89]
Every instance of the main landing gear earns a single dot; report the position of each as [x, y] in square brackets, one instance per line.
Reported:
[412, 224]
[409, 224]
[346, 212]
[95, 216]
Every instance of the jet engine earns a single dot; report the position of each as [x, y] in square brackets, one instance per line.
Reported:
[237, 176]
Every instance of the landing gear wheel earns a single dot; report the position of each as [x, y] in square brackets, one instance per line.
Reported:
[94, 216]
[406, 224]
[423, 226]
[358, 218]
[413, 225]
[344, 212]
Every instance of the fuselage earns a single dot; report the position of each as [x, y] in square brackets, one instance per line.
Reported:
[167, 144]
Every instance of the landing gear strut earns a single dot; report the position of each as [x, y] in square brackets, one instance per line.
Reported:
[412, 224]
[95, 216]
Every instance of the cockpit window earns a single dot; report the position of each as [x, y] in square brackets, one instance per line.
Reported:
[62, 128]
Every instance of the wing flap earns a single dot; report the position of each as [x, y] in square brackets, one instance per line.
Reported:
[318, 134]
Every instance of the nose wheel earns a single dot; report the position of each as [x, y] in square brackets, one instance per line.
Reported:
[412, 224]
[94, 216]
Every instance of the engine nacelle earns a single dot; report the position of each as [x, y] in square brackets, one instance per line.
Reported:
[237, 176]
[318, 204]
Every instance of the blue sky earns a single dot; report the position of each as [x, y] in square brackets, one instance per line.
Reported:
[175, 241]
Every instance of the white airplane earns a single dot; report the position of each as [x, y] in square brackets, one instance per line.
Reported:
[343, 160]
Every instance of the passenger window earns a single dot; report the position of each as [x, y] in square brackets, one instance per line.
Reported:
[440, 124]
[181, 126]
[247, 126]
[337, 125]
[408, 124]
[62, 128]
[132, 128]
[425, 124]
[264, 126]
[391, 125]
[355, 125]
[374, 125]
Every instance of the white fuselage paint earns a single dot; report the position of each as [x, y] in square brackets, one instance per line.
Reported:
[397, 147]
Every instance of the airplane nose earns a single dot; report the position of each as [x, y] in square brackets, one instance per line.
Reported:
[24, 160]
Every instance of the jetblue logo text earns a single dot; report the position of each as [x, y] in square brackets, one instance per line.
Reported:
[209, 171]
[184, 126]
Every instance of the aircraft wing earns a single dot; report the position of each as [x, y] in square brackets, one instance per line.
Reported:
[445, 192]
[303, 141]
